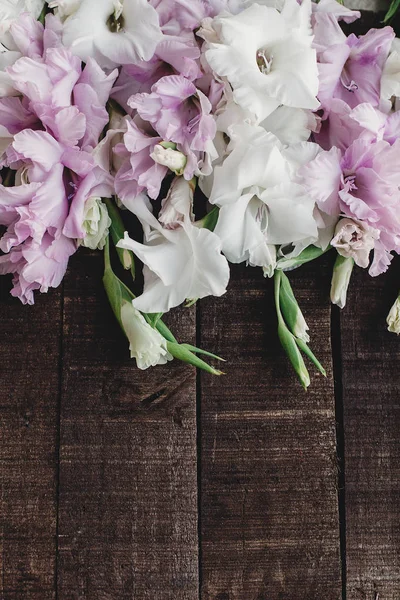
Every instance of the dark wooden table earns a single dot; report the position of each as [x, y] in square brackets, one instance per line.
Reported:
[167, 485]
[118, 484]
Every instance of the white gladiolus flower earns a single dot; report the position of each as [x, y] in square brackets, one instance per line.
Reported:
[289, 125]
[146, 344]
[177, 205]
[96, 224]
[266, 56]
[64, 8]
[393, 318]
[7, 59]
[180, 263]
[113, 32]
[10, 10]
[254, 190]
[390, 83]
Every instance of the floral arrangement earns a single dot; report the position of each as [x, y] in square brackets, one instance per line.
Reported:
[230, 130]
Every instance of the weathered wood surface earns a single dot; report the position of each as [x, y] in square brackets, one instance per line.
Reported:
[128, 479]
[269, 510]
[99, 490]
[371, 402]
[29, 406]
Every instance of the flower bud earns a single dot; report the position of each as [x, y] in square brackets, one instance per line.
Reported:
[340, 280]
[173, 159]
[96, 224]
[146, 344]
[291, 310]
[289, 344]
[393, 318]
[355, 239]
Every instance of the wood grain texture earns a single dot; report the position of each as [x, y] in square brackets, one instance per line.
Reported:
[29, 393]
[371, 398]
[128, 479]
[269, 510]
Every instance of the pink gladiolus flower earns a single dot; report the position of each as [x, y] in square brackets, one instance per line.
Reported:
[139, 172]
[362, 184]
[350, 68]
[180, 113]
[55, 125]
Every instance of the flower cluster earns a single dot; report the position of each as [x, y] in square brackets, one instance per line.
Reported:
[233, 130]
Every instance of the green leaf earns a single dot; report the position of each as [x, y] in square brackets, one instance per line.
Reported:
[163, 329]
[210, 220]
[153, 318]
[307, 351]
[191, 302]
[341, 276]
[200, 351]
[117, 292]
[393, 8]
[287, 339]
[117, 231]
[289, 344]
[310, 253]
[182, 353]
[291, 310]
[42, 16]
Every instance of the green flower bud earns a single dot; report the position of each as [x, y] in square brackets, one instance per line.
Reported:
[340, 280]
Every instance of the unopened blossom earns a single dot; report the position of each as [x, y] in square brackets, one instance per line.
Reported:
[113, 32]
[355, 239]
[96, 224]
[340, 280]
[393, 318]
[173, 159]
[146, 344]
[267, 57]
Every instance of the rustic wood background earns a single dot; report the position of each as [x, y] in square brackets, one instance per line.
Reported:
[170, 485]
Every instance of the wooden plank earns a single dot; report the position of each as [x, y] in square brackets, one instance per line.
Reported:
[128, 481]
[269, 516]
[371, 397]
[29, 393]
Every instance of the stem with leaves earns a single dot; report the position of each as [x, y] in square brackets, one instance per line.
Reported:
[292, 329]
[118, 294]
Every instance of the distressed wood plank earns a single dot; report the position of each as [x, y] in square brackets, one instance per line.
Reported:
[128, 480]
[29, 392]
[269, 515]
[371, 397]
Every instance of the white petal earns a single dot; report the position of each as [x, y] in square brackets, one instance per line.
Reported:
[179, 264]
[87, 34]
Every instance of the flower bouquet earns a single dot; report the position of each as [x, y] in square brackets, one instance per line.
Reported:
[183, 135]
